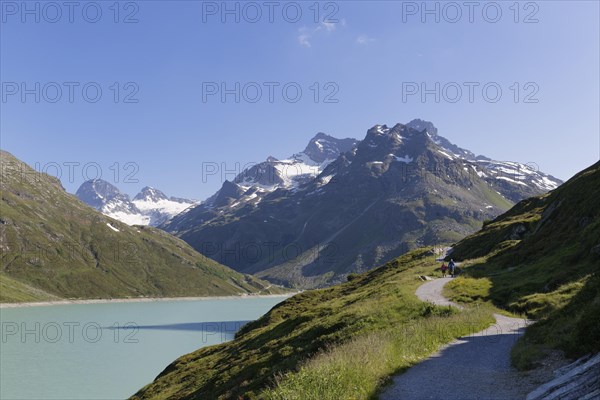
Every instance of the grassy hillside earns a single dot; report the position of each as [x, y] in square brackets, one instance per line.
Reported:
[376, 318]
[542, 259]
[54, 246]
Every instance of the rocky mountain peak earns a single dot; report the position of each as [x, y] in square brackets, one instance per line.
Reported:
[323, 147]
[150, 194]
[428, 127]
[229, 192]
[97, 192]
[383, 138]
[421, 125]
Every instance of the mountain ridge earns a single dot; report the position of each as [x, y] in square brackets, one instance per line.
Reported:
[148, 207]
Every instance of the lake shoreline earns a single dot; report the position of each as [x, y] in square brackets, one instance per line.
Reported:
[139, 300]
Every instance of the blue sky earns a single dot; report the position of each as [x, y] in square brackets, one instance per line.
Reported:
[369, 53]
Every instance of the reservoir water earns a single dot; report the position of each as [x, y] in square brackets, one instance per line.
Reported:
[109, 351]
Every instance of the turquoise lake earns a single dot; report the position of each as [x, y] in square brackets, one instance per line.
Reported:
[109, 351]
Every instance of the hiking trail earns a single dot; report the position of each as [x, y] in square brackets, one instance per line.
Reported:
[473, 367]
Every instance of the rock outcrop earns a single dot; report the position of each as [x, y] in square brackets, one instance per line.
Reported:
[577, 381]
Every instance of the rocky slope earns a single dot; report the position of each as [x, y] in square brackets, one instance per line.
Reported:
[576, 381]
[54, 246]
[400, 188]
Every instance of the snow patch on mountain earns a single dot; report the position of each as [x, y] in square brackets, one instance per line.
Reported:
[295, 171]
[406, 159]
[112, 227]
[511, 180]
[445, 154]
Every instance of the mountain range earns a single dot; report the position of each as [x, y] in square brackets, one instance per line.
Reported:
[343, 206]
[149, 207]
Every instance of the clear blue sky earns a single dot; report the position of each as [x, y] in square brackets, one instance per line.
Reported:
[370, 54]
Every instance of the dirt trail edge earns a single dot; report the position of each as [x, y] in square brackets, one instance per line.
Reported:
[473, 367]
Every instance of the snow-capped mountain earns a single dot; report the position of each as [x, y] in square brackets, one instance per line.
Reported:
[400, 187]
[149, 207]
[252, 184]
[296, 170]
[107, 199]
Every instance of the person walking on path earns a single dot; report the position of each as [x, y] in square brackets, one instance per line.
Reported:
[444, 268]
[451, 267]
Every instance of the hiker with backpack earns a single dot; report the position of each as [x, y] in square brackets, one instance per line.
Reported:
[451, 267]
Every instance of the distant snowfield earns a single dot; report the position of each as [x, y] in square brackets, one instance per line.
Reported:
[290, 170]
[145, 212]
[293, 172]
[165, 206]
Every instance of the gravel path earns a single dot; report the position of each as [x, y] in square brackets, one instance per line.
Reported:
[473, 367]
[432, 291]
